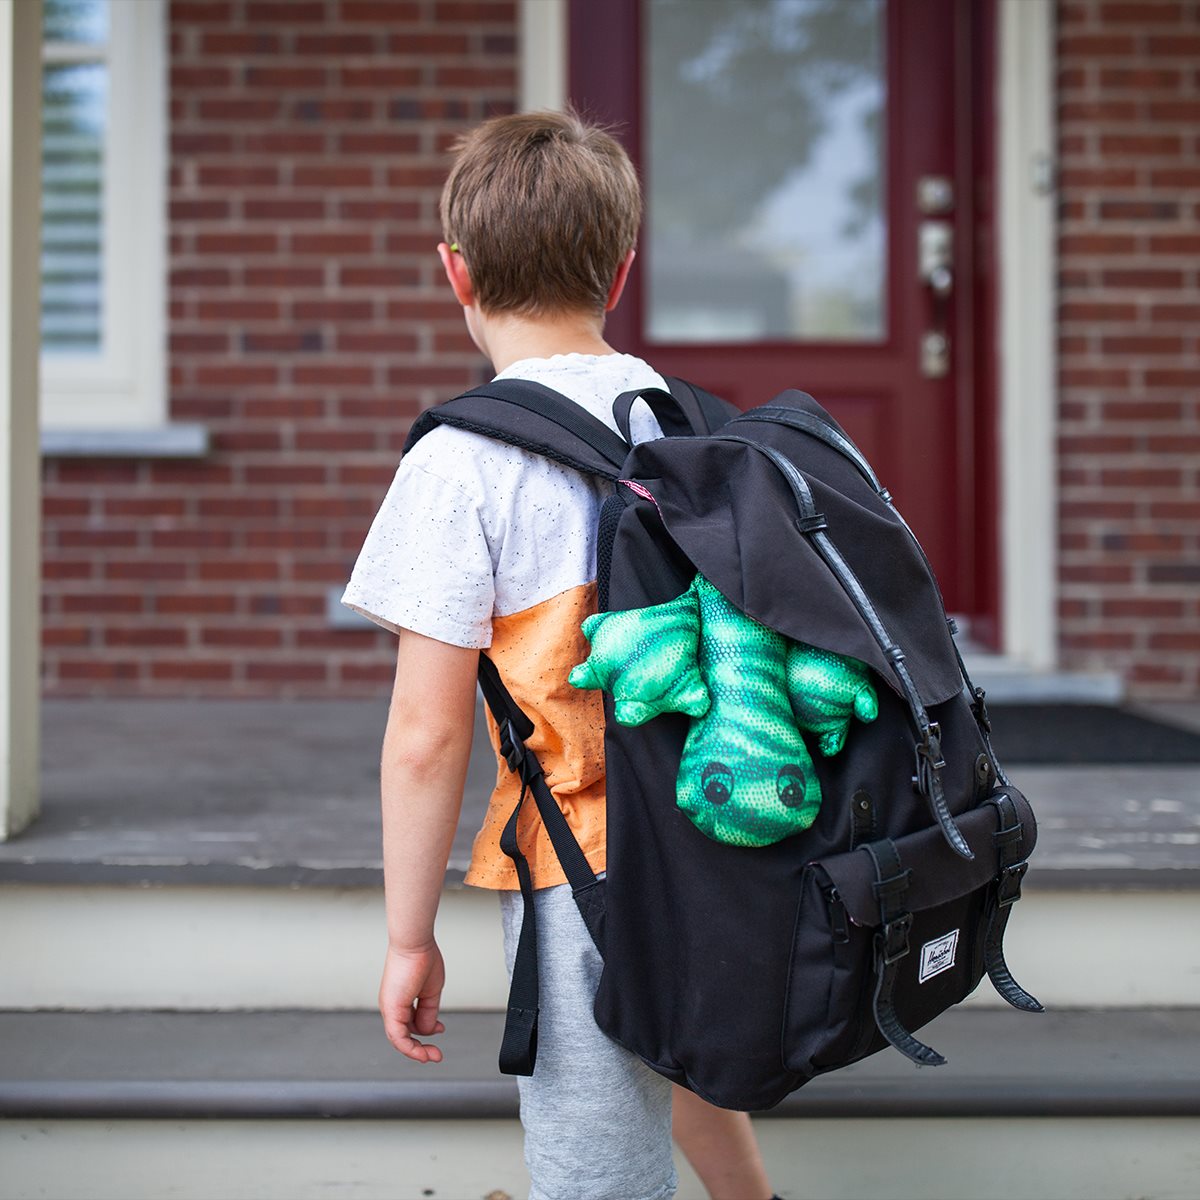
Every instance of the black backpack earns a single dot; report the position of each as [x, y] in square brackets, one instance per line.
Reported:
[739, 971]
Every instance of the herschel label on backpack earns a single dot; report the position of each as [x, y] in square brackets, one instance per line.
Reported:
[832, 861]
[938, 955]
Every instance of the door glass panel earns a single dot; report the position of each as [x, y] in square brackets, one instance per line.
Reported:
[765, 170]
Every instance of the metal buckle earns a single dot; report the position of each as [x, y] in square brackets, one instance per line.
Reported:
[979, 708]
[931, 745]
[891, 942]
[1008, 886]
[929, 758]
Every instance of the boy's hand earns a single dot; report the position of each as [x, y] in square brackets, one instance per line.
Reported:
[413, 978]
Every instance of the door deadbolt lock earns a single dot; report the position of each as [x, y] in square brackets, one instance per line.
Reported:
[935, 194]
[935, 354]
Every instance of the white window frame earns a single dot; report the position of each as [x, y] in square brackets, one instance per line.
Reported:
[125, 386]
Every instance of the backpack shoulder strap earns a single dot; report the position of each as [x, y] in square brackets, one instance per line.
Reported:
[532, 417]
[518, 1047]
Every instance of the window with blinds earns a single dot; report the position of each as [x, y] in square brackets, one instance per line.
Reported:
[75, 78]
[104, 214]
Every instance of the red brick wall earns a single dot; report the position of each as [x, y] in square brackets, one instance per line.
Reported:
[1129, 403]
[308, 324]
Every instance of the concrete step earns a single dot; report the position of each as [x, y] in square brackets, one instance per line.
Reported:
[299, 1104]
[323, 947]
[959, 1158]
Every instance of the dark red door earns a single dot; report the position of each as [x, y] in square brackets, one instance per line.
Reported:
[817, 177]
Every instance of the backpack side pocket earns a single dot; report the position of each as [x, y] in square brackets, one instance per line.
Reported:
[890, 935]
[828, 979]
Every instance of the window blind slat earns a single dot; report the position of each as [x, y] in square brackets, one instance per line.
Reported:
[74, 104]
[77, 21]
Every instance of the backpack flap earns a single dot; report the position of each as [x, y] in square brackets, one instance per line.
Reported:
[726, 505]
[892, 934]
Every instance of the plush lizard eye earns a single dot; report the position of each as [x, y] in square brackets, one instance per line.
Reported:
[791, 784]
[716, 782]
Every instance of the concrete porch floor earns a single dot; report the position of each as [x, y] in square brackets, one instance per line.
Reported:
[287, 793]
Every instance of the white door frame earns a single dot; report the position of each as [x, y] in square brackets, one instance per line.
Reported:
[1027, 337]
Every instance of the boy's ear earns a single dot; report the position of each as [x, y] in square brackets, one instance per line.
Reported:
[618, 284]
[456, 273]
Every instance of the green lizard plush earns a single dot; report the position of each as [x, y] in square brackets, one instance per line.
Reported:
[745, 776]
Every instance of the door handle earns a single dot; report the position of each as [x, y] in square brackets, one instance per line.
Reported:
[935, 256]
[935, 266]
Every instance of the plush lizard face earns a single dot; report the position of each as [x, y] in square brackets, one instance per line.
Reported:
[747, 799]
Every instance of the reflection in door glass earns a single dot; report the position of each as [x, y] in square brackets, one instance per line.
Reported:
[764, 163]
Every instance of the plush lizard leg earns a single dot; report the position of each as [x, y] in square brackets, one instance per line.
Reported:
[646, 657]
[826, 690]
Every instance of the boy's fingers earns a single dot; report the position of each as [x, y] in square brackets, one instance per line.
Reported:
[418, 1051]
[426, 1021]
[400, 1037]
[401, 1025]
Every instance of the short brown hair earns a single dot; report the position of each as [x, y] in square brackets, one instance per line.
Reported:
[544, 208]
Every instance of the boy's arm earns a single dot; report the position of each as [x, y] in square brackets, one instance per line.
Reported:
[422, 772]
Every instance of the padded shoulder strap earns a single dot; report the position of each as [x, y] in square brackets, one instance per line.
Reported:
[532, 417]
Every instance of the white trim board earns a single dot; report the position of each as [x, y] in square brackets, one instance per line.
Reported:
[543, 66]
[1028, 328]
[20, 464]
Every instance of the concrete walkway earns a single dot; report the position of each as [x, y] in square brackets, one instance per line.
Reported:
[287, 792]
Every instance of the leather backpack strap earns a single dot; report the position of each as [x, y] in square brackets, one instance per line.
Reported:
[891, 945]
[1005, 892]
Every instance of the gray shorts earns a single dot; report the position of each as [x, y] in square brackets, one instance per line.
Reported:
[597, 1119]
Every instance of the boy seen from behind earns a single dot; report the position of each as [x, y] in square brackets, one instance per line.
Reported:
[477, 546]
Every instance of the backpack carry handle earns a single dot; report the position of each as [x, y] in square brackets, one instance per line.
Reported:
[679, 412]
[662, 404]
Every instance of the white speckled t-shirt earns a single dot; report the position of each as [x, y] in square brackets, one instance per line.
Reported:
[481, 544]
